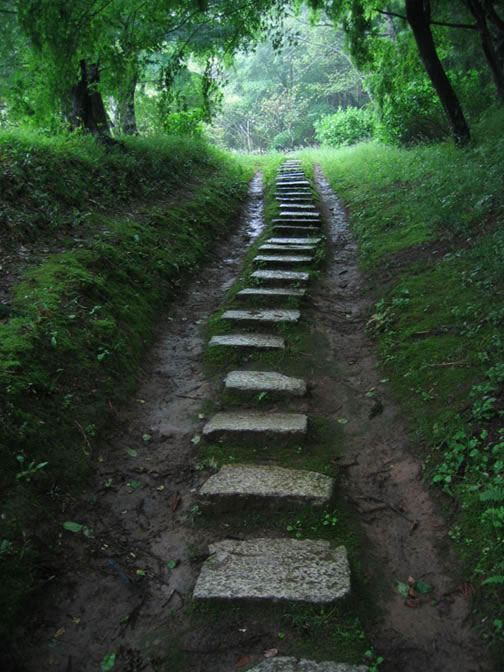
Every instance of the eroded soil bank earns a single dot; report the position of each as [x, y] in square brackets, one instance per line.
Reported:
[125, 588]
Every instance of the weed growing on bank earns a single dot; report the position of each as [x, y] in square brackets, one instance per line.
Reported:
[429, 223]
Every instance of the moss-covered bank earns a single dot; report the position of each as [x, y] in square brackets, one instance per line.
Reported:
[94, 243]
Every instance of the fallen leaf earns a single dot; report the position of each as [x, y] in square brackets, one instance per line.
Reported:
[241, 662]
[411, 592]
[76, 620]
[73, 527]
[403, 588]
[59, 633]
[175, 501]
[413, 604]
[270, 653]
[171, 564]
[411, 580]
[196, 439]
[342, 421]
[422, 587]
[132, 452]
[468, 590]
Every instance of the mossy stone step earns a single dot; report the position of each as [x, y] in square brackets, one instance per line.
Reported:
[296, 221]
[304, 198]
[303, 570]
[256, 424]
[252, 341]
[294, 241]
[266, 482]
[271, 275]
[268, 247]
[273, 293]
[289, 664]
[265, 381]
[283, 259]
[296, 206]
[296, 214]
[270, 316]
[295, 229]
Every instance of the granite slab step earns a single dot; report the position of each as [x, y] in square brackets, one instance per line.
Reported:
[297, 206]
[295, 229]
[272, 247]
[270, 294]
[296, 221]
[282, 259]
[273, 316]
[294, 241]
[265, 381]
[305, 198]
[256, 425]
[289, 664]
[266, 482]
[286, 214]
[253, 341]
[301, 570]
[271, 275]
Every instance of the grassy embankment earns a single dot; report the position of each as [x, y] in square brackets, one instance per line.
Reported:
[93, 243]
[430, 224]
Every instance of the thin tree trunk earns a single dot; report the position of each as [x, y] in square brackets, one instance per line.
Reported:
[127, 116]
[418, 15]
[481, 15]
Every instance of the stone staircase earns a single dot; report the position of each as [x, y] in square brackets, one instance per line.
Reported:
[269, 569]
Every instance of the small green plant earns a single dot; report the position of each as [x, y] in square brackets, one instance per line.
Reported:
[373, 661]
[296, 528]
[28, 470]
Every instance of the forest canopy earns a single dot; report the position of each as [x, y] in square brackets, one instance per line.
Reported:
[255, 75]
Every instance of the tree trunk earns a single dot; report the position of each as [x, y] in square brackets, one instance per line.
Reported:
[418, 15]
[481, 12]
[87, 103]
[127, 116]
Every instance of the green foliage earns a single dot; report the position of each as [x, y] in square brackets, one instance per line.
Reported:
[80, 317]
[429, 224]
[347, 127]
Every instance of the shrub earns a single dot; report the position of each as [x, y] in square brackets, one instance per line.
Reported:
[347, 127]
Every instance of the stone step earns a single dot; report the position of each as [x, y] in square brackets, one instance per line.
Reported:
[289, 214]
[256, 425]
[303, 570]
[295, 182]
[293, 221]
[289, 664]
[295, 229]
[265, 381]
[268, 482]
[270, 294]
[271, 275]
[282, 259]
[288, 242]
[253, 341]
[297, 206]
[268, 247]
[306, 198]
[273, 316]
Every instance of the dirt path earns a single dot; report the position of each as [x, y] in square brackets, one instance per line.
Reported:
[117, 590]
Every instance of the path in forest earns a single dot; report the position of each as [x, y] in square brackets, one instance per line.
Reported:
[127, 587]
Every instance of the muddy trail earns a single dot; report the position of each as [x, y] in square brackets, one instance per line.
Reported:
[120, 590]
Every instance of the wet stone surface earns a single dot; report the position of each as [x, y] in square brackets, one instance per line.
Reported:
[268, 316]
[259, 341]
[269, 381]
[274, 569]
[258, 424]
[269, 482]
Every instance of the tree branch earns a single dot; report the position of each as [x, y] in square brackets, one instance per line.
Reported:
[468, 26]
